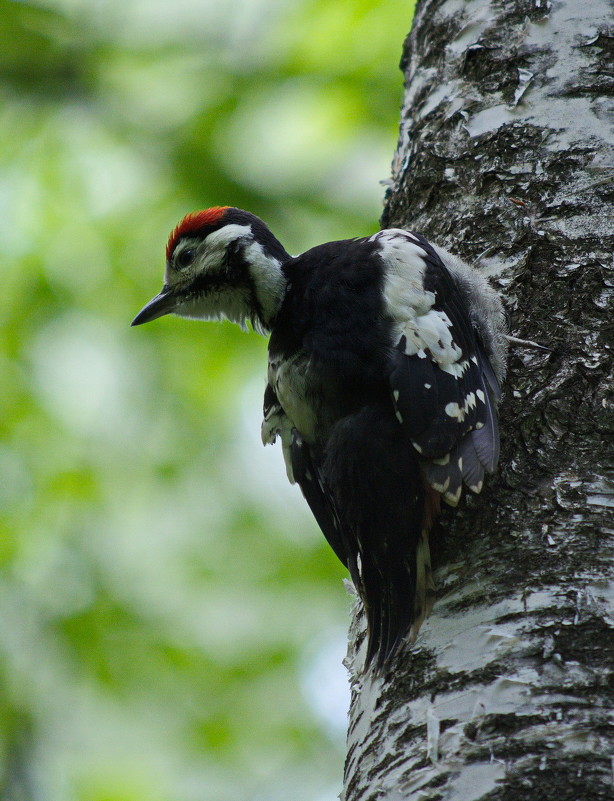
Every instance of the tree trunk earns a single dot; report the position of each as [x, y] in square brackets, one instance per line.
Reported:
[506, 156]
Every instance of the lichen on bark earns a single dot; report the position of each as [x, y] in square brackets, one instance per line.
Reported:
[506, 157]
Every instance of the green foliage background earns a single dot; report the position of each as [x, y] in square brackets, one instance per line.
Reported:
[171, 620]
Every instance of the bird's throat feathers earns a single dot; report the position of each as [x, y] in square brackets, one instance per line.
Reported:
[238, 279]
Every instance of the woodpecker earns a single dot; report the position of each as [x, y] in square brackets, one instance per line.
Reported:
[385, 362]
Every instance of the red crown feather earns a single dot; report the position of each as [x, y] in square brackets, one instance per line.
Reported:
[193, 222]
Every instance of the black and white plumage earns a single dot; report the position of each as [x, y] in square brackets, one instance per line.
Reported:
[386, 357]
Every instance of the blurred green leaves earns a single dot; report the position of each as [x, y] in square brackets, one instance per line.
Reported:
[39, 50]
[167, 604]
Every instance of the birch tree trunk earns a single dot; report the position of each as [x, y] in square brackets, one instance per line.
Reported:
[506, 156]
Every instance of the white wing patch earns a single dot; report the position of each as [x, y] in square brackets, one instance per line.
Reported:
[437, 380]
[427, 331]
[460, 412]
[403, 258]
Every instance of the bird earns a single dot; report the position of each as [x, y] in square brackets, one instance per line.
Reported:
[386, 358]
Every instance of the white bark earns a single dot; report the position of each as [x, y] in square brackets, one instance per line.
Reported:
[506, 154]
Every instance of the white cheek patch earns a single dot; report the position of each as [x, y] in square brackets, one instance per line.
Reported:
[234, 304]
[209, 254]
[217, 242]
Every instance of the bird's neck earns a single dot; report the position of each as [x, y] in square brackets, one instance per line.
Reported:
[269, 282]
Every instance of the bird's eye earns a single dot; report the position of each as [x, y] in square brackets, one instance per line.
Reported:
[185, 258]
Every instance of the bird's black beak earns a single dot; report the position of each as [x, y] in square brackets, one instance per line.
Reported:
[163, 303]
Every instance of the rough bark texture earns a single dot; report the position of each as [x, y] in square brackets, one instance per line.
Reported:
[506, 155]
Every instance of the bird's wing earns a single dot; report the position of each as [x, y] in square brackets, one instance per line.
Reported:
[443, 386]
[308, 475]
[303, 468]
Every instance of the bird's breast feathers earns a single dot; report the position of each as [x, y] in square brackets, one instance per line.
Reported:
[295, 384]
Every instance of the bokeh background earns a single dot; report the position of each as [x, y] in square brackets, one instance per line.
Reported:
[172, 622]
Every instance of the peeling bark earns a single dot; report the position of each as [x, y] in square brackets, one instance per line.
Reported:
[506, 156]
